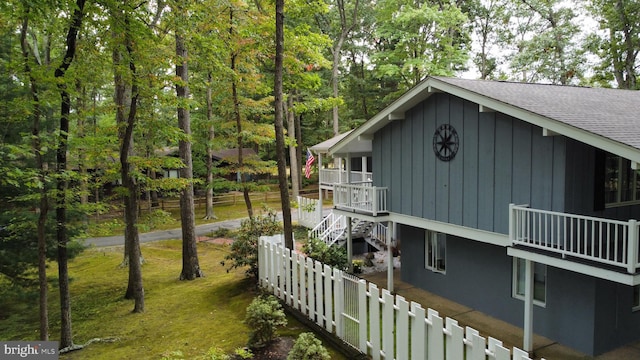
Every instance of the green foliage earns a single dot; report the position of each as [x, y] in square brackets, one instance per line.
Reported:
[264, 315]
[153, 219]
[106, 228]
[244, 250]
[419, 40]
[357, 266]
[335, 256]
[221, 232]
[243, 353]
[19, 245]
[308, 347]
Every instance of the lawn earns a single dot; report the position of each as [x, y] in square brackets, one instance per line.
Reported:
[188, 317]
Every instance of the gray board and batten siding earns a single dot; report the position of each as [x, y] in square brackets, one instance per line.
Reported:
[500, 160]
[586, 313]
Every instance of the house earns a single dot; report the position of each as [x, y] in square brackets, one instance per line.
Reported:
[225, 158]
[221, 158]
[515, 199]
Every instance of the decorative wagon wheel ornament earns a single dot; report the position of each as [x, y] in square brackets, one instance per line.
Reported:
[445, 142]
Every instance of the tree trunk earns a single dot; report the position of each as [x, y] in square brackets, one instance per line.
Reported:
[294, 169]
[298, 130]
[210, 215]
[238, 118]
[122, 99]
[66, 339]
[132, 256]
[279, 127]
[42, 176]
[153, 195]
[190, 265]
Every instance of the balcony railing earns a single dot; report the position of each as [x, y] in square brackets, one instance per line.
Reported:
[361, 197]
[336, 176]
[604, 241]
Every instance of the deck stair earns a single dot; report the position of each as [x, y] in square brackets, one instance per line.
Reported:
[333, 230]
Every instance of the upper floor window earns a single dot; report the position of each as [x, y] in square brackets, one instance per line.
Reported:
[435, 251]
[622, 184]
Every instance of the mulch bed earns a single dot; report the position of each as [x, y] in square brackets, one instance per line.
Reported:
[277, 350]
[219, 241]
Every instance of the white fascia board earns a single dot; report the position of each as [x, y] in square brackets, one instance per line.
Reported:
[485, 109]
[555, 126]
[355, 215]
[456, 230]
[395, 111]
[618, 277]
[487, 237]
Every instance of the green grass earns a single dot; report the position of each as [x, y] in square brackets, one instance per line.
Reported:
[109, 227]
[185, 316]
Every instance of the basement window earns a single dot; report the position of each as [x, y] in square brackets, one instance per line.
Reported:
[435, 244]
[539, 281]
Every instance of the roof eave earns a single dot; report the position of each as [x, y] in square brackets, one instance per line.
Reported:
[548, 124]
[431, 85]
[395, 111]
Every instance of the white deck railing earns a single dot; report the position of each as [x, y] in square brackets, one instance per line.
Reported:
[361, 197]
[372, 320]
[336, 176]
[309, 212]
[380, 232]
[605, 241]
[329, 229]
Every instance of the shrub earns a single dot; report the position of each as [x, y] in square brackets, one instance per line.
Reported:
[335, 256]
[357, 266]
[308, 347]
[153, 219]
[244, 249]
[264, 315]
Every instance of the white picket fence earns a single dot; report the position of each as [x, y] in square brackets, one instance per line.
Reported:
[309, 212]
[378, 323]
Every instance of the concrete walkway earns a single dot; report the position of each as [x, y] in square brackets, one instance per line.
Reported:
[203, 229]
[509, 334]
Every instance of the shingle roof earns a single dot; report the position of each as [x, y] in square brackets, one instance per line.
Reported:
[612, 113]
[608, 119]
[324, 146]
[231, 155]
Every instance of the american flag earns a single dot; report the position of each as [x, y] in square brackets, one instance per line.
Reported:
[307, 166]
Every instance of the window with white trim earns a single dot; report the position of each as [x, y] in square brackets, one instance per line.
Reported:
[539, 281]
[435, 245]
[622, 183]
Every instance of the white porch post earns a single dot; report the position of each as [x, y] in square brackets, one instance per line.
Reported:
[364, 168]
[349, 245]
[528, 307]
[348, 168]
[632, 248]
[391, 233]
[320, 181]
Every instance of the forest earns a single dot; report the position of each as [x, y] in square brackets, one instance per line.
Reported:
[102, 101]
